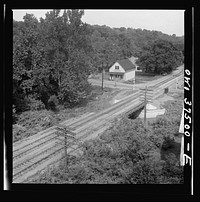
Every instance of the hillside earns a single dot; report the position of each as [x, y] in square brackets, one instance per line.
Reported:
[111, 44]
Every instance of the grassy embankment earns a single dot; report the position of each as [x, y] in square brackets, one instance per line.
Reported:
[30, 122]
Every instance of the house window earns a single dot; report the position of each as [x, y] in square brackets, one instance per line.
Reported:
[116, 67]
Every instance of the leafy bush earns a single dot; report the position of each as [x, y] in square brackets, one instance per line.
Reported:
[18, 132]
[31, 119]
[163, 130]
[14, 114]
[34, 104]
[21, 104]
[33, 122]
[167, 143]
[53, 102]
[172, 170]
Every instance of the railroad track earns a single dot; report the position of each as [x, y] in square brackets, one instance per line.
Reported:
[40, 150]
[26, 155]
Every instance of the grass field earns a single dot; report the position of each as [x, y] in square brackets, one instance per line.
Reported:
[143, 79]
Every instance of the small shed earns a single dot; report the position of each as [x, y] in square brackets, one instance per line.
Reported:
[122, 69]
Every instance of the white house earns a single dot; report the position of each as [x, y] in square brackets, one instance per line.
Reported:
[123, 69]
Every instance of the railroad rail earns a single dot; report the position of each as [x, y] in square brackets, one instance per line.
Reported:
[35, 153]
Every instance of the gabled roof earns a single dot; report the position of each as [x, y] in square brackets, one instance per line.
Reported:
[126, 64]
[133, 60]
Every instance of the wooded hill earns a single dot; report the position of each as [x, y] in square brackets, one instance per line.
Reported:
[53, 57]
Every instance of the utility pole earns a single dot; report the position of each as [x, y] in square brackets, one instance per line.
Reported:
[145, 107]
[66, 132]
[66, 157]
[102, 77]
[146, 96]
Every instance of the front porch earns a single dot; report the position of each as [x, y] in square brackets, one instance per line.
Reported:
[116, 75]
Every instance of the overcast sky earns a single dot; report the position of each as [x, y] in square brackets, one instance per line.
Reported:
[166, 21]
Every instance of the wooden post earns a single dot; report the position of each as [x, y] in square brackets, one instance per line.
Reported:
[102, 78]
[145, 103]
[66, 161]
[176, 83]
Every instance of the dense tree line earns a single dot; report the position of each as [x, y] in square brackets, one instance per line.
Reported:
[53, 57]
[160, 56]
[50, 58]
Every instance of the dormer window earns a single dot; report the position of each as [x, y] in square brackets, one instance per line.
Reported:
[116, 67]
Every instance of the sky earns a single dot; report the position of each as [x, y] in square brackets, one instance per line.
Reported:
[167, 21]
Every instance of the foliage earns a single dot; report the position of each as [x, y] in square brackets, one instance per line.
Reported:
[18, 132]
[55, 55]
[31, 122]
[34, 104]
[126, 153]
[172, 171]
[50, 57]
[53, 102]
[160, 56]
[14, 114]
[123, 154]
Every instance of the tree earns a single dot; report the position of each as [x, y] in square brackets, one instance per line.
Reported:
[51, 57]
[67, 46]
[105, 50]
[25, 56]
[160, 56]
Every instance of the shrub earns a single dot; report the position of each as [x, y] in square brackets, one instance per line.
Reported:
[168, 140]
[34, 104]
[14, 114]
[172, 170]
[21, 104]
[18, 132]
[31, 122]
[53, 102]
[32, 119]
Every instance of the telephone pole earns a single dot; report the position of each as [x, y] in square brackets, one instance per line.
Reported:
[66, 157]
[66, 132]
[146, 96]
[145, 107]
[102, 78]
